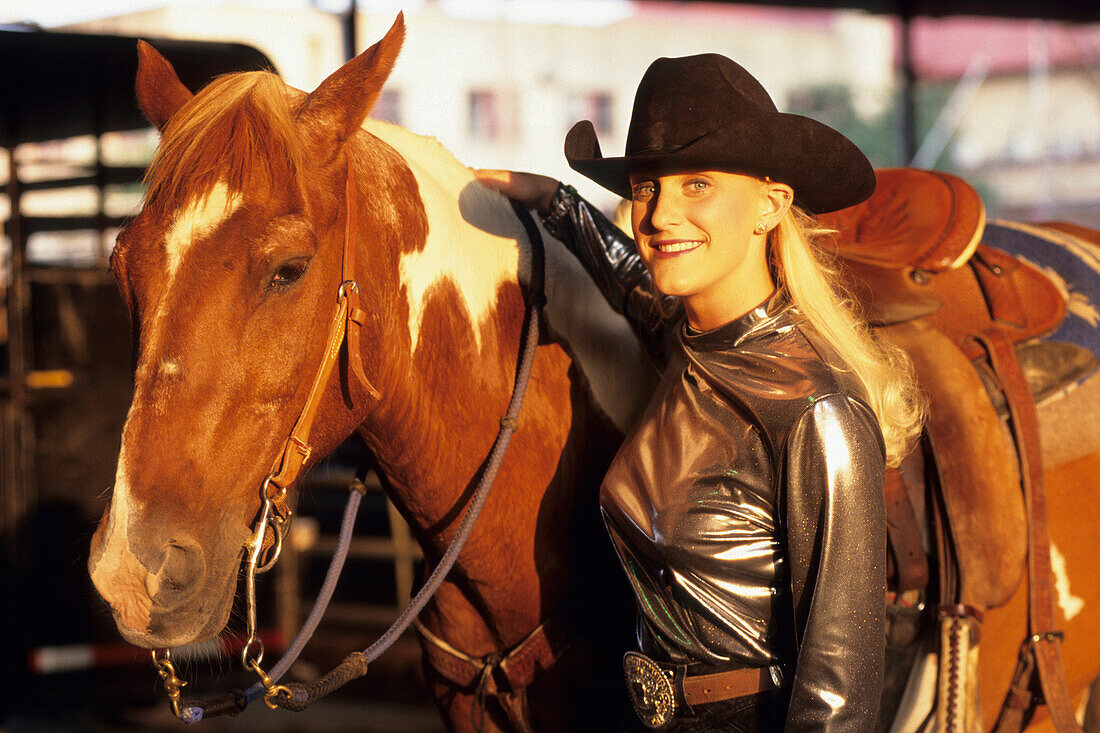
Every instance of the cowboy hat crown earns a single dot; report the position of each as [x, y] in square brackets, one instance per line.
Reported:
[706, 112]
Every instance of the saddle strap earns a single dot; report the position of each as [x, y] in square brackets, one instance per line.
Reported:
[503, 676]
[903, 535]
[1044, 644]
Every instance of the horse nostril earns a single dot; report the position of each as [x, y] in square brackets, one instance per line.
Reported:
[179, 576]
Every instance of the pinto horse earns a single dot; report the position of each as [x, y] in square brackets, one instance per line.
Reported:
[229, 273]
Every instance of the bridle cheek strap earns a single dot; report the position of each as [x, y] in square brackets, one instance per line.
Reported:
[346, 323]
[349, 287]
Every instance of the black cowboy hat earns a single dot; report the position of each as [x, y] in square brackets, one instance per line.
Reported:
[707, 112]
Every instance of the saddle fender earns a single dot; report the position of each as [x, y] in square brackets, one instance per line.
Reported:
[976, 462]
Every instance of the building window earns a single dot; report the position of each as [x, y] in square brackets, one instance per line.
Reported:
[594, 106]
[492, 116]
[388, 106]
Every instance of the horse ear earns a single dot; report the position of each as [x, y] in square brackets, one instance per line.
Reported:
[338, 106]
[159, 91]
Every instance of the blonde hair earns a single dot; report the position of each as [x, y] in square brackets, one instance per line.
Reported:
[804, 274]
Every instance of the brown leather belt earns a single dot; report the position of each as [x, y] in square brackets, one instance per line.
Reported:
[657, 692]
[728, 685]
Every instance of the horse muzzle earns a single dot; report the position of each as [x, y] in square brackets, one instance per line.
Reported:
[161, 587]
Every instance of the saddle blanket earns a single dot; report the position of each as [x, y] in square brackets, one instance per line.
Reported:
[1071, 263]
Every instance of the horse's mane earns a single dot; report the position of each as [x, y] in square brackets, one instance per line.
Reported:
[239, 121]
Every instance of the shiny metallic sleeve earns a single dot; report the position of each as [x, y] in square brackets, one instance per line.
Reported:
[612, 261]
[836, 538]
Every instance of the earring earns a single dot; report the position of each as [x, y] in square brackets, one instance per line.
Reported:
[760, 228]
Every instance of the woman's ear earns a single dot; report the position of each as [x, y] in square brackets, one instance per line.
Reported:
[778, 198]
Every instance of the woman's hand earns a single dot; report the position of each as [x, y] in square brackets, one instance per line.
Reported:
[530, 189]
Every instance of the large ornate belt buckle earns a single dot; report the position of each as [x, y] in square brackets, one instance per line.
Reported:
[650, 690]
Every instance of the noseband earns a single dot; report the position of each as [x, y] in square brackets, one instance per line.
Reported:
[275, 512]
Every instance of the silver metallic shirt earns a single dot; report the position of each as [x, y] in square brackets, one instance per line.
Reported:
[747, 506]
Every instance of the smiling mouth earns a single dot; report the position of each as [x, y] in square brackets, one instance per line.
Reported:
[676, 247]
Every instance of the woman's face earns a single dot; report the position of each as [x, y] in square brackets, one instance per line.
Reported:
[694, 231]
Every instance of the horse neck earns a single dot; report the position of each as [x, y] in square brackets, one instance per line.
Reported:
[450, 351]
[449, 344]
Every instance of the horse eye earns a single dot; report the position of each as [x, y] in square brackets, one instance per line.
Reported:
[288, 273]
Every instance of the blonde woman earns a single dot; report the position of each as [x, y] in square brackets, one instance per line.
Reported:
[747, 506]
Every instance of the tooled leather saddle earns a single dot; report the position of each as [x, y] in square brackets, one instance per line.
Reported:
[913, 258]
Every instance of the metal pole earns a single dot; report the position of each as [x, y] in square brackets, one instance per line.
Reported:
[1038, 88]
[21, 471]
[952, 113]
[907, 104]
[350, 31]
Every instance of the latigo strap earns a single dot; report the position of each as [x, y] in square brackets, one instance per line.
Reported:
[1042, 650]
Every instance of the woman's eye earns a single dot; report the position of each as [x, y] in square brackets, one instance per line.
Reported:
[697, 184]
[643, 191]
[288, 273]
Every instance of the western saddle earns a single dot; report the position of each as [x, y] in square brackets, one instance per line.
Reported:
[912, 256]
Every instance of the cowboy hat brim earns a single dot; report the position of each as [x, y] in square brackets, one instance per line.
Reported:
[826, 170]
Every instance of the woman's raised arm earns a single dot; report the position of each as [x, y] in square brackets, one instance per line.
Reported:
[607, 253]
[531, 189]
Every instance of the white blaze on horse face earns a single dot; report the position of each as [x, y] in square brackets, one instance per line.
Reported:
[117, 574]
[474, 260]
[1071, 604]
[198, 217]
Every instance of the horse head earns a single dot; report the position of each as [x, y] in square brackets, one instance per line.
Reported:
[230, 272]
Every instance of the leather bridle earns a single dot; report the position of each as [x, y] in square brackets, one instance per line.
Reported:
[346, 322]
[275, 512]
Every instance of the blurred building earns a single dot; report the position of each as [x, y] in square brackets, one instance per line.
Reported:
[1025, 114]
[501, 90]
[1011, 104]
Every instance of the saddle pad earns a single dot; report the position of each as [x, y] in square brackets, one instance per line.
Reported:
[1071, 263]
